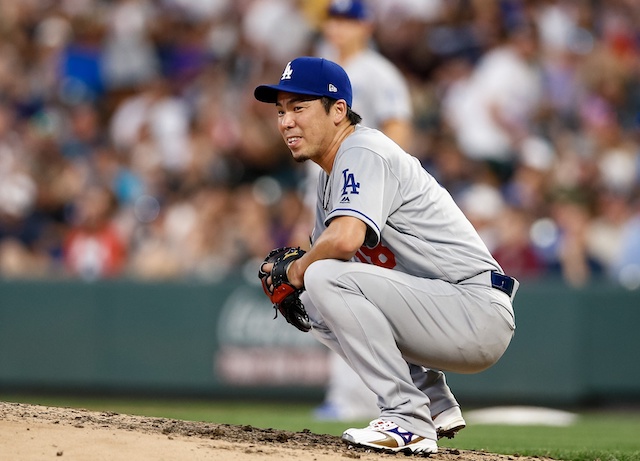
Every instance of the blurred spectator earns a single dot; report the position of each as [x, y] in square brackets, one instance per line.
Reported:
[492, 111]
[93, 247]
[483, 204]
[84, 134]
[514, 250]
[626, 267]
[82, 62]
[18, 193]
[528, 187]
[130, 58]
[572, 214]
[605, 239]
[277, 29]
[160, 114]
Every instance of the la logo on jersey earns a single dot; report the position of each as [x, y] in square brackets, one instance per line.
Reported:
[288, 71]
[349, 185]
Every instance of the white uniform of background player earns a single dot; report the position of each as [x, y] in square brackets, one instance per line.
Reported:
[381, 97]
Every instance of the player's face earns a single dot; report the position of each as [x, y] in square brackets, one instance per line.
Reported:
[305, 126]
[343, 33]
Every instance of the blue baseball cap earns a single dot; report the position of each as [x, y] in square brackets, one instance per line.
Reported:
[309, 76]
[350, 9]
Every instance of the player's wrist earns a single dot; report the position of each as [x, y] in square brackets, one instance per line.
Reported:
[292, 275]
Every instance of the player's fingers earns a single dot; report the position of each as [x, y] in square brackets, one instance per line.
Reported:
[267, 284]
[267, 268]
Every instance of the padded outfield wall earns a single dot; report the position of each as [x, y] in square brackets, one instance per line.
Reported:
[220, 340]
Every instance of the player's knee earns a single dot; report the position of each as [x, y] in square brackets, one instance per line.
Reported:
[324, 278]
[326, 281]
[320, 274]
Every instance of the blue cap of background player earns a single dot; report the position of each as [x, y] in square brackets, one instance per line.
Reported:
[309, 76]
[350, 9]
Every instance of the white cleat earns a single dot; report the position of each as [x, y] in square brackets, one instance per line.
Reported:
[449, 422]
[385, 436]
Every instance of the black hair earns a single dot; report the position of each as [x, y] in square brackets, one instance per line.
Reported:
[353, 117]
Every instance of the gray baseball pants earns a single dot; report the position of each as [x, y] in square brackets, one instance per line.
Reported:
[397, 331]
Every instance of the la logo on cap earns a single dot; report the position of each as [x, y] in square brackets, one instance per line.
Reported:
[288, 71]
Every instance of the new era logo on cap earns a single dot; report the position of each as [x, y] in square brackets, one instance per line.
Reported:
[309, 76]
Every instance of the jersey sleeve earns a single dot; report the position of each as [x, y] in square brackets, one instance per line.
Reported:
[363, 186]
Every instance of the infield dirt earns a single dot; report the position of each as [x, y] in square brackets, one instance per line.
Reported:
[36, 433]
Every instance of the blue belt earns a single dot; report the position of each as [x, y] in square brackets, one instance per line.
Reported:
[502, 282]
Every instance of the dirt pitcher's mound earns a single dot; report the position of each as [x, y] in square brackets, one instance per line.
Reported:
[32, 432]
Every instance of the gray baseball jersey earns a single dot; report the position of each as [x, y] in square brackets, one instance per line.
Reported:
[436, 310]
[414, 225]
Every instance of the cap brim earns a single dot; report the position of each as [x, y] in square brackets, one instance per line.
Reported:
[269, 93]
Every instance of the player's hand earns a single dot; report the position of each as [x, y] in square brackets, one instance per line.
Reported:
[273, 274]
[295, 281]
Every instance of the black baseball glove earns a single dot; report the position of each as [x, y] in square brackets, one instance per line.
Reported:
[284, 296]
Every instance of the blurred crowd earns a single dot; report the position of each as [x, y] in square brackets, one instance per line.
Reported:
[131, 144]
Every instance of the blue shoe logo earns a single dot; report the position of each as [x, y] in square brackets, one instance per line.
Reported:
[405, 435]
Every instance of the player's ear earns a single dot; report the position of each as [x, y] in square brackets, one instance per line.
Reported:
[339, 111]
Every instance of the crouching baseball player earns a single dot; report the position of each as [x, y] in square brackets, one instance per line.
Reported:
[397, 281]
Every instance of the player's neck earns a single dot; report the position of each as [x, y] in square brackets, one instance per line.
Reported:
[326, 161]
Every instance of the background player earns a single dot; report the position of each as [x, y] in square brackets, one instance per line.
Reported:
[397, 280]
[383, 102]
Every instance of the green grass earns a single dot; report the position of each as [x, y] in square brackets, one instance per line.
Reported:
[596, 436]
